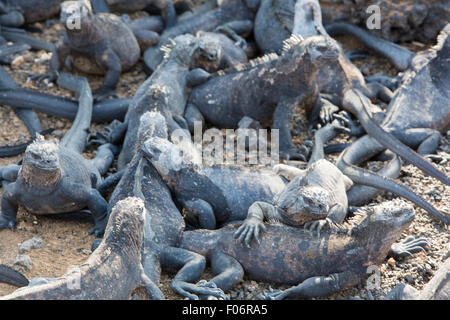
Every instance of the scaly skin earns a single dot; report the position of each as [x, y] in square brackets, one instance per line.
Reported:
[291, 256]
[415, 115]
[401, 21]
[99, 44]
[267, 89]
[164, 223]
[115, 264]
[55, 178]
[15, 13]
[167, 89]
[215, 194]
[228, 11]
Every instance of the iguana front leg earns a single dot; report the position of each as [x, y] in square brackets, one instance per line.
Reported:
[234, 29]
[167, 11]
[110, 62]
[281, 118]
[57, 61]
[93, 200]
[316, 286]
[336, 216]
[9, 173]
[253, 224]
[9, 207]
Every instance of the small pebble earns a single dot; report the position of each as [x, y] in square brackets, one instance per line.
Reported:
[391, 262]
[17, 62]
[409, 279]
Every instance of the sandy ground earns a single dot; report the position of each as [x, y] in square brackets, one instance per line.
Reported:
[66, 242]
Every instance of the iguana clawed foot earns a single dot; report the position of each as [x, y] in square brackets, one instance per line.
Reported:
[344, 123]
[100, 138]
[440, 159]
[102, 94]
[49, 76]
[99, 227]
[273, 294]
[204, 288]
[292, 154]
[319, 225]
[327, 111]
[248, 230]
[407, 247]
[5, 223]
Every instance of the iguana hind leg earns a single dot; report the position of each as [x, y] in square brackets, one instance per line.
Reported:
[191, 266]
[316, 286]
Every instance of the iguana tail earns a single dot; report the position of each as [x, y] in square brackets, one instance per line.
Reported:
[371, 179]
[400, 57]
[358, 104]
[105, 111]
[75, 139]
[11, 276]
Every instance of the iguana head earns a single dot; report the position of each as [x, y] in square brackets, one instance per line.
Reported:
[209, 52]
[381, 225]
[300, 203]
[318, 49]
[152, 124]
[41, 162]
[168, 157]
[322, 49]
[186, 48]
[126, 225]
[73, 13]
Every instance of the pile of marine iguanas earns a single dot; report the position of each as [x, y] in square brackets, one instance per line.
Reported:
[229, 64]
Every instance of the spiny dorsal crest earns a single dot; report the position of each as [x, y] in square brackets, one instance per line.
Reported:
[249, 65]
[167, 49]
[291, 42]
[42, 146]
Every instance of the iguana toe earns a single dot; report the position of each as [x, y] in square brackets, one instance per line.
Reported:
[6, 224]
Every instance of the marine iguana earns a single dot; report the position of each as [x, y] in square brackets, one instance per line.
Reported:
[267, 89]
[166, 6]
[114, 269]
[315, 265]
[437, 289]
[166, 90]
[235, 16]
[345, 82]
[97, 44]
[164, 223]
[215, 194]
[401, 21]
[415, 116]
[15, 13]
[55, 178]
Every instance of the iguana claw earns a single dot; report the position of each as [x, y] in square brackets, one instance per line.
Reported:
[204, 288]
[319, 225]
[407, 247]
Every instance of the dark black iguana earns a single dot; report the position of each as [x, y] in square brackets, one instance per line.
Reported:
[216, 194]
[164, 223]
[267, 89]
[400, 21]
[166, 6]
[166, 90]
[317, 266]
[15, 13]
[97, 44]
[416, 114]
[234, 16]
[55, 178]
[345, 83]
[113, 272]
